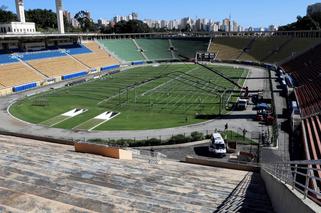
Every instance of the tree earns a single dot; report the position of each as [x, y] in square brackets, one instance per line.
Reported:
[86, 23]
[6, 16]
[44, 19]
[132, 26]
[312, 22]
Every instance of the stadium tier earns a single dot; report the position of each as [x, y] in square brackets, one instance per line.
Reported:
[188, 48]
[97, 58]
[228, 48]
[41, 55]
[124, 49]
[306, 67]
[155, 49]
[7, 59]
[306, 71]
[75, 49]
[55, 67]
[311, 128]
[37, 176]
[17, 74]
[260, 49]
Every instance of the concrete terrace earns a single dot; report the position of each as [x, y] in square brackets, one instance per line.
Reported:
[37, 176]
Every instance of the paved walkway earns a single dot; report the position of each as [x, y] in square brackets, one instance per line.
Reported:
[237, 120]
[281, 152]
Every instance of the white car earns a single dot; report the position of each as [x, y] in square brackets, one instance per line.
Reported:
[217, 145]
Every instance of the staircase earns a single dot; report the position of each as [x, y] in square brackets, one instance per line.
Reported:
[78, 61]
[33, 68]
[277, 50]
[37, 176]
[249, 196]
[172, 46]
[139, 49]
[248, 47]
[109, 52]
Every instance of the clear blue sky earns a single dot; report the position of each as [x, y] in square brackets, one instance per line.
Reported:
[246, 12]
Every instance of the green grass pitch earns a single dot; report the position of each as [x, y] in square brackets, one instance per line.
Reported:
[148, 98]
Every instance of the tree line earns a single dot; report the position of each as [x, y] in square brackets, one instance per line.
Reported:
[308, 22]
[46, 21]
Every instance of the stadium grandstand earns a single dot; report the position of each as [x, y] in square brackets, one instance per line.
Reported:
[136, 122]
[270, 49]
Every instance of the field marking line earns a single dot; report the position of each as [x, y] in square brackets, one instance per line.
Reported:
[114, 96]
[170, 80]
[51, 125]
[104, 121]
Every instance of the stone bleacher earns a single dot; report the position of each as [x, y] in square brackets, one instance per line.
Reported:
[97, 58]
[188, 48]
[229, 49]
[155, 49]
[123, 48]
[35, 176]
[260, 49]
[17, 74]
[55, 67]
[306, 71]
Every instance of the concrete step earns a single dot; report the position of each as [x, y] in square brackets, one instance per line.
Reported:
[40, 172]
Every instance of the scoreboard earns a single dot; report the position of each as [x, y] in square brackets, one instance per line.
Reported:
[205, 56]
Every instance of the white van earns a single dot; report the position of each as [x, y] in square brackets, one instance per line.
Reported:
[217, 145]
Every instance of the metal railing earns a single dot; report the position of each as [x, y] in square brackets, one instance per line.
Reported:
[303, 176]
[151, 157]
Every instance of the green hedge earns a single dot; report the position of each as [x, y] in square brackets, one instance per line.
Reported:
[175, 139]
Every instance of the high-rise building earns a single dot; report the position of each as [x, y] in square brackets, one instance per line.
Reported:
[226, 25]
[272, 28]
[235, 27]
[103, 22]
[164, 24]
[135, 16]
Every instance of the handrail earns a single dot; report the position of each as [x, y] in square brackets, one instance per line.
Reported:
[301, 175]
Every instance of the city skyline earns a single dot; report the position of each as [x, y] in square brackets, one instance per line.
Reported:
[247, 13]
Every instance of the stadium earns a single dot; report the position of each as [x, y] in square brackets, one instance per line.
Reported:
[121, 122]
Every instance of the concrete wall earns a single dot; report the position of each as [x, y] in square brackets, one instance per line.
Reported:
[284, 199]
[220, 164]
[103, 150]
[6, 91]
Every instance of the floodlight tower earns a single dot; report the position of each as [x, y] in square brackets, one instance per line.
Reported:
[60, 16]
[20, 11]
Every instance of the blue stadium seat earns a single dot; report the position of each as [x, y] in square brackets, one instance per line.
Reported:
[76, 49]
[7, 58]
[41, 55]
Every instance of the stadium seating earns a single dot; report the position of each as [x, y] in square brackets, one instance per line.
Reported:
[37, 176]
[125, 49]
[54, 67]
[7, 58]
[97, 58]
[306, 71]
[188, 48]
[75, 49]
[17, 74]
[228, 48]
[260, 49]
[306, 67]
[41, 55]
[155, 49]
[312, 144]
